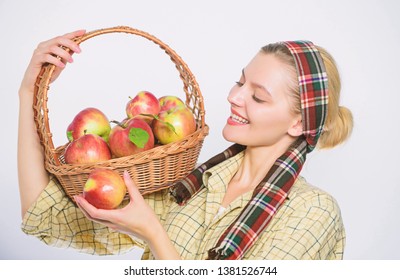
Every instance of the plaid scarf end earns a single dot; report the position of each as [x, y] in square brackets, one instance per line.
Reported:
[215, 254]
[180, 194]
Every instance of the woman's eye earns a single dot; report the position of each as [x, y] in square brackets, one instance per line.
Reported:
[239, 84]
[257, 99]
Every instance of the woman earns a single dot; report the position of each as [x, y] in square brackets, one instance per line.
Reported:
[248, 202]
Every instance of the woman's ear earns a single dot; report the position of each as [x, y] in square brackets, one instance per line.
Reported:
[297, 128]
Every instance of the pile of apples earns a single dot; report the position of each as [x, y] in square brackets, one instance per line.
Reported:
[149, 122]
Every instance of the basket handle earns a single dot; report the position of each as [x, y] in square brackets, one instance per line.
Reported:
[191, 87]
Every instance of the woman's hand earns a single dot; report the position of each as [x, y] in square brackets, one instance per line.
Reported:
[136, 218]
[51, 51]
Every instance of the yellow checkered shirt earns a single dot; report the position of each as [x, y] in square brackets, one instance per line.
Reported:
[307, 226]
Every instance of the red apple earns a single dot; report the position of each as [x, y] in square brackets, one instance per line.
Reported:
[89, 121]
[173, 125]
[167, 102]
[143, 103]
[130, 137]
[104, 189]
[87, 149]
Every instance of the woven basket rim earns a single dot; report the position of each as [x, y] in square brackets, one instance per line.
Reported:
[132, 158]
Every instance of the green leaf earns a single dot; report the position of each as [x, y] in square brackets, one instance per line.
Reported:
[170, 126]
[69, 136]
[138, 136]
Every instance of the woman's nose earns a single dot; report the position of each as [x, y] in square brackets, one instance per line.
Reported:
[236, 96]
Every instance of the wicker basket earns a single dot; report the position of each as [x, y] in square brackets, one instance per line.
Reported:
[151, 170]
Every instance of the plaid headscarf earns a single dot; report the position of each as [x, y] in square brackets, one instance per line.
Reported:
[272, 191]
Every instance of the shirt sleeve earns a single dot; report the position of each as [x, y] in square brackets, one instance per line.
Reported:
[57, 221]
[311, 228]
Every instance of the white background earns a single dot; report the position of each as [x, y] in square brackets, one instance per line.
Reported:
[217, 39]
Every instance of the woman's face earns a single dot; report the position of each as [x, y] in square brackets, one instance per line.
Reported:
[261, 112]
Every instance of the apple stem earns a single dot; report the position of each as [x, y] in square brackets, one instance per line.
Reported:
[150, 116]
[117, 123]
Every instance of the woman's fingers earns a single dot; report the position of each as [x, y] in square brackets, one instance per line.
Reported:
[56, 47]
[76, 33]
[65, 40]
[130, 185]
[109, 218]
[135, 218]
[52, 59]
[93, 213]
[62, 53]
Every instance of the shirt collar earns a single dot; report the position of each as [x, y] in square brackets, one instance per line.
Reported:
[228, 167]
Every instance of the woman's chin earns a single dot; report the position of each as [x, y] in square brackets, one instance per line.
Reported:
[229, 135]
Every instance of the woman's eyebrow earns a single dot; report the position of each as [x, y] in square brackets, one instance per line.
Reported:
[257, 85]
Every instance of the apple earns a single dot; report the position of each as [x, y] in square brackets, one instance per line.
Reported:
[88, 148]
[167, 102]
[130, 137]
[89, 121]
[143, 103]
[104, 189]
[174, 124]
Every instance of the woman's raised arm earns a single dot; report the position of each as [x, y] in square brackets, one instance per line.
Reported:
[32, 175]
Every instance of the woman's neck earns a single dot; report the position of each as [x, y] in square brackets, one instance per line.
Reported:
[257, 161]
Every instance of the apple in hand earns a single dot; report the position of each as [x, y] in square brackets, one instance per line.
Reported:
[130, 137]
[167, 102]
[88, 148]
[104, 189]
[143, 103]
[89, 121]
[174, 124]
